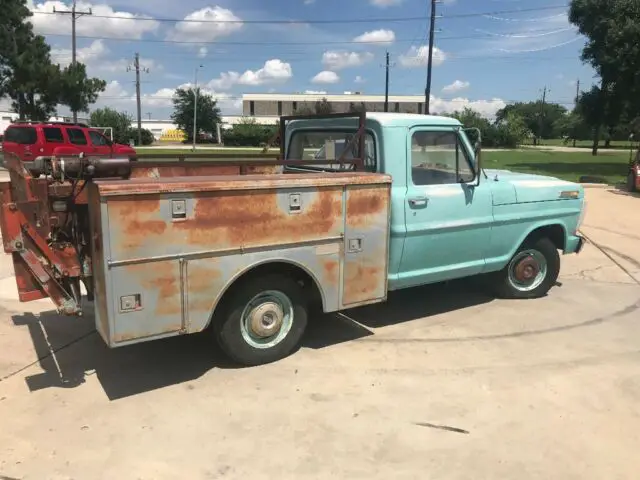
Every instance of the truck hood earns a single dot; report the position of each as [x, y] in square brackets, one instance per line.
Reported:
[512, 187]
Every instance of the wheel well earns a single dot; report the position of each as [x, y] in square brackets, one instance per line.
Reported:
[283, 268]
[555, 233]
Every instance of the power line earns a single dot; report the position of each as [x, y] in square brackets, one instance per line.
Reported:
[266, 43]
[317, 21]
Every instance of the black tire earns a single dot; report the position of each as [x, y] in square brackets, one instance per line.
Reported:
[504, 285]
[631, 182]
[228, 322]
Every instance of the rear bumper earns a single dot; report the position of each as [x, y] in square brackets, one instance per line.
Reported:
[574, 244]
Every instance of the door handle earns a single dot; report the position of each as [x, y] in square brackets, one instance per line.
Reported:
[418, 201]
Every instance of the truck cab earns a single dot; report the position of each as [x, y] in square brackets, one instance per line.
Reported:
[450, 217]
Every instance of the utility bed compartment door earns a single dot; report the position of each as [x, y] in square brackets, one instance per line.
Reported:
[366, 249]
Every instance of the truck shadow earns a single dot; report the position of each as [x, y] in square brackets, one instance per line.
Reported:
[69, 349]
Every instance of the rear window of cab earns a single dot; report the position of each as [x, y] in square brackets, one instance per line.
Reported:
[21, 135]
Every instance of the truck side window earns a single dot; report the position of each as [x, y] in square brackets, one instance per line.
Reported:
[76, 136]
[438, 158]
[53, 135]
[97, 139]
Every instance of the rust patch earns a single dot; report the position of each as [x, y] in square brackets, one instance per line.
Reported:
[331, 271]
[183, 170]
[365, 202]
[362, 283]
[233, 219]
[203, 279]
[136, 218]
[163, 278]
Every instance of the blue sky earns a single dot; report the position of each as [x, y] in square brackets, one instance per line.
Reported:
[483, 59]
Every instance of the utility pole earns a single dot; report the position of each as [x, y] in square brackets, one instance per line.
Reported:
[386, 84]
[577, 93]
[149, 115]
[136, 67]
[544, 98]
[432, 31]
[195, 107]
[74, 15]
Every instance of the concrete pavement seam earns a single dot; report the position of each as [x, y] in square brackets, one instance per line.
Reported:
[610, 257]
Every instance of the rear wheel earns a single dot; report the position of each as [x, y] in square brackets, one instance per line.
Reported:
[263, 319]
[532, 271]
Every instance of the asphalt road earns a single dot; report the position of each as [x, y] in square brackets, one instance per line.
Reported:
[439, 383]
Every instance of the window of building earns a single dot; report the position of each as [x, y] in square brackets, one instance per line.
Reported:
[76, 136]
[53, 135]
[252, 108]
[439, 158]
[397, 107]
[279, 108]
[295, 107]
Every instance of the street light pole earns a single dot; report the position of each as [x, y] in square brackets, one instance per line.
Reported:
[195, 108]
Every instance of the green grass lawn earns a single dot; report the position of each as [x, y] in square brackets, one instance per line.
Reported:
[581, 144]
[612, 166]
[566, 165]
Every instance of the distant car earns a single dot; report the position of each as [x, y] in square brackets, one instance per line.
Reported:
[29, 140]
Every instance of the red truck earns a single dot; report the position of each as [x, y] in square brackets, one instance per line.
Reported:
[29, 140]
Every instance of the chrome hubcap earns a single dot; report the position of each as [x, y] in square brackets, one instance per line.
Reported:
[267, 319]
[527, 270]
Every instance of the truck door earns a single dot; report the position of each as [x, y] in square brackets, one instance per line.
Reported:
[448, 217]
[99, 144]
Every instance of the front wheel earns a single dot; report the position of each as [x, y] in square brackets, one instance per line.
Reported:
[262, 320]
[532, 271]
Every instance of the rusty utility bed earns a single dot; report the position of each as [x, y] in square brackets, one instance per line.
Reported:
[166, 249]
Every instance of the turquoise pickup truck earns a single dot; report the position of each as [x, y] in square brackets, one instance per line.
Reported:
[245, 250]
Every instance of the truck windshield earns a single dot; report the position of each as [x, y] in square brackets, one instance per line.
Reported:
[329, 145]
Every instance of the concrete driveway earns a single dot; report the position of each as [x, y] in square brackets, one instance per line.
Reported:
[439, 383]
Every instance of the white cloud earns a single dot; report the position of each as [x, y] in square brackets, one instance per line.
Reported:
[226, 81]
[385, 3]
[337, 60]
[359, 79]
[273, 71]
[115, 95]
[378, 37]
[419, 57]
[91, 54]
[456, 86]
[487, 108]
[309, 2]
[206, 24]
[127, 25]
[326, 76]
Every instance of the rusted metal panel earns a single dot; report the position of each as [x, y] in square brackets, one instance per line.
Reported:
[156, 293]
[209, 278]
[366, 244]
[99, 253]
[236, 182]
[146, 227]
[142, 170]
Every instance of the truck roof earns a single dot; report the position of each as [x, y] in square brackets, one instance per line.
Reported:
[388, 119]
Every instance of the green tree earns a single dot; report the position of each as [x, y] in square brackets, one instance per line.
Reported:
[540, 119]
[572, 127]
[78, 91]
[28, 77]
[183, 108]
[612, 29]
[120, 123]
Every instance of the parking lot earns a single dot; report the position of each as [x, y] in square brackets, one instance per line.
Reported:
[440, 382]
